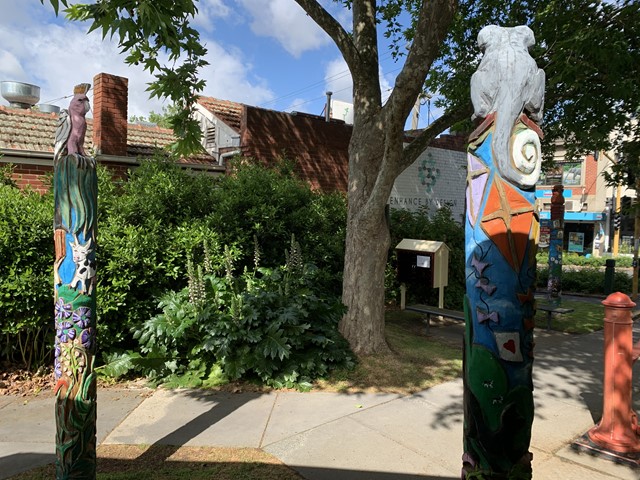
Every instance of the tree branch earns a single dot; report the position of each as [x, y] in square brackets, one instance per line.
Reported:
[433, 22]
[422, 141]
[332, 28]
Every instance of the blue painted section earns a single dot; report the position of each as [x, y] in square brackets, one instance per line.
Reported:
[548, 193]
[577, 216]
[510, 285]
[67, 268]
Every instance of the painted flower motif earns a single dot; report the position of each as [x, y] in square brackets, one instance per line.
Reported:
[65, 331]
[86, 337]
[57, 368]
[82, 317]
[63, 310]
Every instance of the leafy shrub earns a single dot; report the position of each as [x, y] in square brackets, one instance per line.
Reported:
[150, 225]
[585, 280]
[26, 275]
[270, 204]
[439, 227]
[269, 324]
[571, 258]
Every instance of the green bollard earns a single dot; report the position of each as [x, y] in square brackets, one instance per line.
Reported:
[609, 274]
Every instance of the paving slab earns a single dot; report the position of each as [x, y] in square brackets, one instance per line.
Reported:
[418, 427]
[114, 405]
[17, 457]
[347, 450]
[295, 412]
[556, 422]
[605, 468]
[29, 420]
[6, 400]
[551, 467]
[196, 419]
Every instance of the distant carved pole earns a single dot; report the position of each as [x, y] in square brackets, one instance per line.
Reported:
[501, 230]
[75, 214]
[554, 283]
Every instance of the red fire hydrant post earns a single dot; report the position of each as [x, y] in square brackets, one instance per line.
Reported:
[618, 434]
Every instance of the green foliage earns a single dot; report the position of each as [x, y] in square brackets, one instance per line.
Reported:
[271, 325]
[26, 278]
[146, 31]
[162, 119]
[570, 258]
[149, 228]
[576, 42]
[441, 227]
[275, 204]
[586, 280]
[6, 175]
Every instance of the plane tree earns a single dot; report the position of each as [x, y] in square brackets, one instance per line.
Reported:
[589, 50]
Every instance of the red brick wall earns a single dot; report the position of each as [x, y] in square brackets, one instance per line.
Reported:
[590, 174]
[110, 114]
[35, 176]
[32, 175]
[319, 148]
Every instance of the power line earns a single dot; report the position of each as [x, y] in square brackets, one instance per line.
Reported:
[337, 76]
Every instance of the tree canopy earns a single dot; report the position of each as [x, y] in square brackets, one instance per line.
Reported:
[590, 51]
[146, 30]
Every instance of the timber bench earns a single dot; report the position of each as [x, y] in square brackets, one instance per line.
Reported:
[551, 311]
[428, 311]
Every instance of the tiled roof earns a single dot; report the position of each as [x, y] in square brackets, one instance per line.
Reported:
[22, 129]
[229, 112]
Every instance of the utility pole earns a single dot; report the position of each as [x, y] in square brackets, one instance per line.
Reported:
[636, 241]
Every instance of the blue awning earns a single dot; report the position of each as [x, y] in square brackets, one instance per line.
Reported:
[577, 216]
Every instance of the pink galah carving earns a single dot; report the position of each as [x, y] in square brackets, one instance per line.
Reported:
[72, 125]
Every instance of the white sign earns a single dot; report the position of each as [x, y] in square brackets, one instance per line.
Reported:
[423, 261]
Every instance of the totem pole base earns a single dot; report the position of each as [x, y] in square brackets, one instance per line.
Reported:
[584, 444]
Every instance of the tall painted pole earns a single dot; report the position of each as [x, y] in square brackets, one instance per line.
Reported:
[75, 214]
[501, 229]
[554, 283]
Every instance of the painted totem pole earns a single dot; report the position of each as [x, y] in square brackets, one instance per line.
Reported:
[556, 238]
[75, 215]
[501, 230]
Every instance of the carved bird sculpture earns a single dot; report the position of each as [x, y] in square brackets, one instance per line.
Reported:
[72, 125]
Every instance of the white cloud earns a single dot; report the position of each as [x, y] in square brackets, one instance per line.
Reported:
[287, 23]
[228, 77]
[208, 12]
[338, 80]
[57, 55]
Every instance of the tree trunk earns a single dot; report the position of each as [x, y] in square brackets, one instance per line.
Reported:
[367, 240]
[363, 284]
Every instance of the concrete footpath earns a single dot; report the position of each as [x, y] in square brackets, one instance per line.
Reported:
[339, 436]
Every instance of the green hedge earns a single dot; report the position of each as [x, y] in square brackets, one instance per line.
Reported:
[26, 279]
[148, 228]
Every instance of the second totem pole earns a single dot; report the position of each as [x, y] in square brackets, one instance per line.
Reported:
[501, 231]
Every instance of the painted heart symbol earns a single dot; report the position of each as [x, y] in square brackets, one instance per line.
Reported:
[510, 345]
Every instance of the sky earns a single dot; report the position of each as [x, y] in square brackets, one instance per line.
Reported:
[265, 53]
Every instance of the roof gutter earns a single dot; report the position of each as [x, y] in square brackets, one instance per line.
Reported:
[27, 157]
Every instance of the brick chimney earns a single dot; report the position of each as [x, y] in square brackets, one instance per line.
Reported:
[110, 97]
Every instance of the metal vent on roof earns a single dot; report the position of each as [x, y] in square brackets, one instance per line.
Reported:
[20, 95]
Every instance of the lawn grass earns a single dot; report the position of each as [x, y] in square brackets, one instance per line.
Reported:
[586, 318]
[415, 361]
